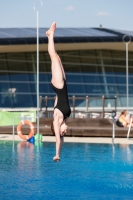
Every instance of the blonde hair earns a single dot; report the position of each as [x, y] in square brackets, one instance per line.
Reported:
[123, 112]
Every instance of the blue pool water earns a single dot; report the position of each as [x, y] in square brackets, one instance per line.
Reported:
[86, 171]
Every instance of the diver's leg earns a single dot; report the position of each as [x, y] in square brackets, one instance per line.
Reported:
[56, 67]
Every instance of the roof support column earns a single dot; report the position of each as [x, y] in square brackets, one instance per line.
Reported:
[103, 72]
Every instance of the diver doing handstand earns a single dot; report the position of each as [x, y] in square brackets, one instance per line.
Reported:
[61, 106]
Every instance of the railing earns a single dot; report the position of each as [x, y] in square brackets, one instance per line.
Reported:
[86, 109]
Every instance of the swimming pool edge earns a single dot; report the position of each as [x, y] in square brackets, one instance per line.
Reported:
[100, 140]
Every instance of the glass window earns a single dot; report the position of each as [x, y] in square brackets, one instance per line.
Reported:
[88, 72]
[24, 100]
[19, 76]
[122, 101]
[17, 66]
[43, 77]
[107, 61]
[44, 87]
[72, 68]
[119, 70]
[88, 60]
[109, 70]
[5, 86]
[80, 103]
[110, 79]
[44, 67]
[130, 89]
[70, 57]
[3, 64]
[92, 69]
[119, 62]
[106, 53]
[76, 88]
[21, 87]
[31, 66]
[32, 77]
[118, 54]
[130, 80]
[131, 70]
[49, 77]
[6, 95]
[74, 78]
[122, 89]
[95, 89]
[112, 89]
[6, 101]
[131, 101]
[110, 103]
[120, 79]
[92, 79]
[4, 76]
[16, 62]
[47, 57]
[50, 102]
[95, 102]
[16, 56]
[2, 56]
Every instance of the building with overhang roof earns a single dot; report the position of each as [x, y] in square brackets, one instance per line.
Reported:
[94, 60]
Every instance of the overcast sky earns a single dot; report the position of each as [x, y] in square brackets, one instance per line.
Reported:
[114, 14]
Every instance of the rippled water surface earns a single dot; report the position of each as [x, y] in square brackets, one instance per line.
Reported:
[86, 171]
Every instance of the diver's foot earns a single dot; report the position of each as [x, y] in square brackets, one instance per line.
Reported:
[52, 29]
[56, 159]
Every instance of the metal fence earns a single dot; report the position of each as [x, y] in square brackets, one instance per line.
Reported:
[85, 112]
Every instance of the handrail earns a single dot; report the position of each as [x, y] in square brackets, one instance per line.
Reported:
[129, 128]
[74, 98]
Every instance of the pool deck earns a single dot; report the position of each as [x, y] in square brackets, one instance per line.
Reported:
[99, 140]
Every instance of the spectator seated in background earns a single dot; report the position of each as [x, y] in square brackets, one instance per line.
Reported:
[123, 120]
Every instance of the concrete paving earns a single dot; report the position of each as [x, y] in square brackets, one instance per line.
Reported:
[99, 140]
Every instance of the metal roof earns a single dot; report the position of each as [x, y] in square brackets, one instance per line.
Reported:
[10, 36]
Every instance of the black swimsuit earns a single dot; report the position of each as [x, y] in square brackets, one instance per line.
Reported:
[63, 102]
